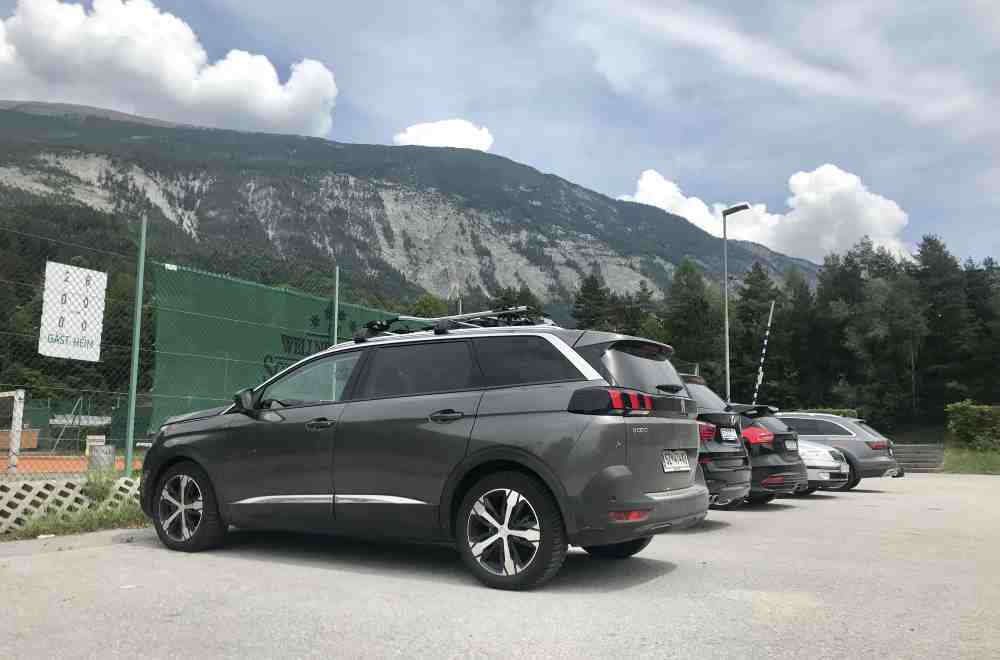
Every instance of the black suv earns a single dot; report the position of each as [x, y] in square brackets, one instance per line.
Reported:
[723, 458]
[774, 454]
[510, 442]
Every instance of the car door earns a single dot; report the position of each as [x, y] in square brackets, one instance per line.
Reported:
[279, 469]
[406, 431]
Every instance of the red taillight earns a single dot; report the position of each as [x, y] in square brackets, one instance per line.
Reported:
[610, 401]
[773, 480]
[756, 435]
[628, 516]
[877, 444]
[706, 431]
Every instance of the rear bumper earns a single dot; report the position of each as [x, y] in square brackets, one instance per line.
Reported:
[725, 486]
[879, 466]
[669, 510]
[780, 479]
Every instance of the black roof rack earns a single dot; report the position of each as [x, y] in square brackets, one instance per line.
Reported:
[510, 316]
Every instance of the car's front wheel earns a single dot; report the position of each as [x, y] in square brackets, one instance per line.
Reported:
[185, 511]
[510, 532]
[853, 475]
[618, 550]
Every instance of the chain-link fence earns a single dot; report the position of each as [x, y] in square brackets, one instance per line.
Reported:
[66, 324]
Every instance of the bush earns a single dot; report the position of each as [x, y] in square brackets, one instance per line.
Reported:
[99, 485]
[843, 412]
[974, 426]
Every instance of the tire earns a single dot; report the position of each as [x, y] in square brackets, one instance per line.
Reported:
[533, 557]
[760, 499]
[618, 550]
[855, 474]
[188, 484]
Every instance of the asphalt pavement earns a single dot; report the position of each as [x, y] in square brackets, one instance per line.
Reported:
[898, 568]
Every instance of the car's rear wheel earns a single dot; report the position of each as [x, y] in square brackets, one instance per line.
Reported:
[853, 475]
[760, 499]
[619, 550]
[185, 511]
[806, 491]
[510, 532]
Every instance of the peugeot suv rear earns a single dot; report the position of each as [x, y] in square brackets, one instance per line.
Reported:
[777, 467]
[723, 457]
[510, 442]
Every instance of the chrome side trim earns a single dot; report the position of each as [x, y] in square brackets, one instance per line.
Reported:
[376, 499]
[329, 499]
[288, 499]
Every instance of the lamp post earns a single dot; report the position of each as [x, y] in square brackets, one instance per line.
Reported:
[725, 285]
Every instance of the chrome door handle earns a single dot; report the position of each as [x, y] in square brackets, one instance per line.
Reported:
[447, 415]
[319, 424]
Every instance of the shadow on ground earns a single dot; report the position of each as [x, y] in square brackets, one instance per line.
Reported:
[580, 573]
[767, 506]
[705, 526]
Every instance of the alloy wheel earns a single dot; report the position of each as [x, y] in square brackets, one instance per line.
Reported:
[503, 532]
[180, 507]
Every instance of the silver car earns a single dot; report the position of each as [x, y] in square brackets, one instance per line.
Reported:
[827, 467]
[868, 452]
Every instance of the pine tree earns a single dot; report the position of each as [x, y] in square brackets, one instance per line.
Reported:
[590, 307]
[749, 325]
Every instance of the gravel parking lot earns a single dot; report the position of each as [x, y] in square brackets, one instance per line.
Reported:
[899, 568]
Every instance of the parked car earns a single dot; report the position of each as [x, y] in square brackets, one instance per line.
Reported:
[774, 456]
[826, 466]
[510, 442]
[723, 458]
[869, 453]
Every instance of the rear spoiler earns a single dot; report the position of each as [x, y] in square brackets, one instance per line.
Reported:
[751, 410]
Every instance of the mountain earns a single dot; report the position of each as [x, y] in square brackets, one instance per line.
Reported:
[397, 219]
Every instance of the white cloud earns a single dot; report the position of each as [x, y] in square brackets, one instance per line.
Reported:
[829, 211]
[447, 133]
[130, 56]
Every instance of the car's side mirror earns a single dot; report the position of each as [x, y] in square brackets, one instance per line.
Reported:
[244, 400]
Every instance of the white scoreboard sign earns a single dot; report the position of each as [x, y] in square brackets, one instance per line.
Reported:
[72, 312]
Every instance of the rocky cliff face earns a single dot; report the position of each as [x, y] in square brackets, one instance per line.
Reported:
[442, 219]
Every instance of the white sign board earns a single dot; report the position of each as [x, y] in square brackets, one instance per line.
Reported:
[72, 312]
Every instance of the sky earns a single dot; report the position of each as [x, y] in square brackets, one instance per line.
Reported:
[834, 120]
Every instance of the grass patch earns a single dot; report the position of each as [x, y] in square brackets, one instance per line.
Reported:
[128, 515]
[963, 460]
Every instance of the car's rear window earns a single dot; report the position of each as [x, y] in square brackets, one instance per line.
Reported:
[772, 424]
[635, 364]
[871, 430]
[521, 360]
[705, 397]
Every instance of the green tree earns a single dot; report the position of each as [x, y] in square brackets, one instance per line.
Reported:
[942, 286]
[510, 297]
[591, 305]
[749, 325]
[429, 306]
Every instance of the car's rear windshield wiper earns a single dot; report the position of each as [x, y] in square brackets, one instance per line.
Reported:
[671, 388]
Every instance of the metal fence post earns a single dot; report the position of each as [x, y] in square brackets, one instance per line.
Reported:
[336, 302]
[136, 333]
[16, 422]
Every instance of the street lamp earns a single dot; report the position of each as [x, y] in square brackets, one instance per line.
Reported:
[725, 285]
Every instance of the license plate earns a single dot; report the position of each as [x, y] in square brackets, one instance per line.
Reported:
[675, 460]
[728, 434]
[792, 445]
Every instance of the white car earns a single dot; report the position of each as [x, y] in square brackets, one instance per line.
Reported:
[827, 467]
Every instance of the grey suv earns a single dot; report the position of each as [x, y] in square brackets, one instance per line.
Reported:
[511, 442]
[868, 452]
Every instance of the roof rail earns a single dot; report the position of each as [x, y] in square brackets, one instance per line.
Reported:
[507, 316]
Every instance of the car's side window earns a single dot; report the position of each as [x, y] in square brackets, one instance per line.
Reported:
[319, 381]
[829, 428]
[422, 368]
[520, 360]
[801, 426]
